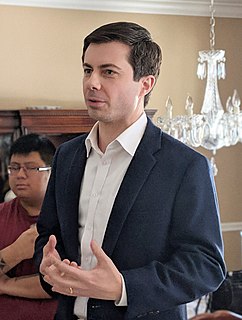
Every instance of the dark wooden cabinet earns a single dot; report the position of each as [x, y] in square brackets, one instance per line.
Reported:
[9, 122]
[10, 129]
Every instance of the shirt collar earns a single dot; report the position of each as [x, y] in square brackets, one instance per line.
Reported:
[91, 139]
[129, 139]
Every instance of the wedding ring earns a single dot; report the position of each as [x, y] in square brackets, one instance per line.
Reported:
[71, 290]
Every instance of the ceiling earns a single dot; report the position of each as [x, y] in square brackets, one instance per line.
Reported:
[224, 8]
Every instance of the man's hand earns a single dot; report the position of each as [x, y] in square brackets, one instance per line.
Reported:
[102, 282]
[22, 248]
[50, 254]
[24, 245]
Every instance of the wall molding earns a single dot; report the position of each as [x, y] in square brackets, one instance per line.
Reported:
[224, 8]
[231, 226]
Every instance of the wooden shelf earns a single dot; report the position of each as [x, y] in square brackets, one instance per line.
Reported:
[71, 121]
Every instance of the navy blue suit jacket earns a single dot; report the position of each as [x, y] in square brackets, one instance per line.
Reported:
[163, 233]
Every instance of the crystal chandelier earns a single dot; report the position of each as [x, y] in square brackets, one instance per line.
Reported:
[213, 128]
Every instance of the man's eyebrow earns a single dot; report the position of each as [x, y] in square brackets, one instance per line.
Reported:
[34, 163]
[102, 66]
[109, 65]
[86, 65]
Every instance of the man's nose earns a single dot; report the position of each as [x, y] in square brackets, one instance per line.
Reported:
[22, 172]
[94, 82]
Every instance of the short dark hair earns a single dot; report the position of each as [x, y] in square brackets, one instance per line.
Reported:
[34, 142]
[145, 55]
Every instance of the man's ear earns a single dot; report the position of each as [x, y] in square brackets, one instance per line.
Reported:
[148, 83]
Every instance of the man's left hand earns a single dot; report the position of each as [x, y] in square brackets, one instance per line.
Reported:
[102, 282]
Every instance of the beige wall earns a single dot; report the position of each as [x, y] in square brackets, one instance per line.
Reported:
[40, 65]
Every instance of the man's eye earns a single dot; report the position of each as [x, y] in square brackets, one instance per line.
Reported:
[87, 71]
[109, 72]
[15, 168]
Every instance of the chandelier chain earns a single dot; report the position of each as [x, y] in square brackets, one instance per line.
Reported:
[212, 26]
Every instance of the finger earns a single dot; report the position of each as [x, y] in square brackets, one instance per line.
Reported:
[61, 276]
[64, 267]
[67, 261]
[54, 270]
[49, 274]
[74, 264]
[68, 291]
[53, 242]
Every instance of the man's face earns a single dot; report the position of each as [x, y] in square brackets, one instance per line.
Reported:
[110, 93]
[29, 186]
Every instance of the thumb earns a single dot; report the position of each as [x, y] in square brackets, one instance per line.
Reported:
[50, 246]
[98, 252]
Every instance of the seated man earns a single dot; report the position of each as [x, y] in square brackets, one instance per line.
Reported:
[21, 295]
[218, 315]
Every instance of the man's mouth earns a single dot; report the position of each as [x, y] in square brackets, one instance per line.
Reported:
[95, 102]
[21, 186]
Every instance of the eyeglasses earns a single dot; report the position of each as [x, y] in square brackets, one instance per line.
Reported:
[14, 170]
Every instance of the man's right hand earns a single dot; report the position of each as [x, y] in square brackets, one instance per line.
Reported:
[24, 244]
[48, 252]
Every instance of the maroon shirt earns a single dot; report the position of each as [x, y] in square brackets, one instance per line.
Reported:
[14, 219]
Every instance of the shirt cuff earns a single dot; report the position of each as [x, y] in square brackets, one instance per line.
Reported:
[123, 300]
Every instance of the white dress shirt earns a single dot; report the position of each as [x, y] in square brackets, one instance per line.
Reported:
[102, 178]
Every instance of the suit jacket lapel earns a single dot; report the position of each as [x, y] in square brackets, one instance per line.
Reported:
[136, 175]
[72, 191]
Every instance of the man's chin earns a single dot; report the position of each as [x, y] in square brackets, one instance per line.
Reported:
[97, 115]
[22, 194]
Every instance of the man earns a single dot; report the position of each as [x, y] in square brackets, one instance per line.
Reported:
[129, 227]
[21, 295]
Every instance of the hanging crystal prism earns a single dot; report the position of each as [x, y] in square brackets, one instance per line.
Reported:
[212, 107]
